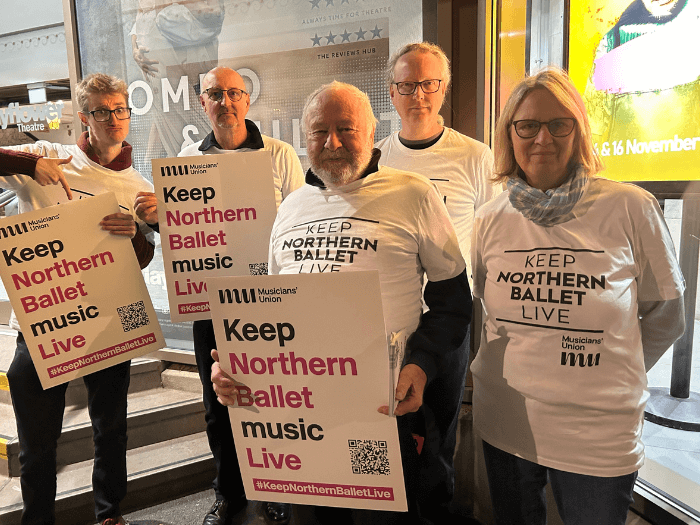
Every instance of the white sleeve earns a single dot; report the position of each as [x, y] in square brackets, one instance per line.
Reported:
[272, 266]
[487, 188]
[478, 269]
[659, 275]
[294, 173]
[438, 247]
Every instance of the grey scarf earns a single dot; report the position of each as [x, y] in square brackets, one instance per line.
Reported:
[547, 208]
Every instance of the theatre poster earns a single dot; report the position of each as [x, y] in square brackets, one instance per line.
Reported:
[309, 355]
[76, 290]
[215, 214]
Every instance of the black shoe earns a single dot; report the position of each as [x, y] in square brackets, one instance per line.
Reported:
[333, 515]
[279, 513]
[223, 510]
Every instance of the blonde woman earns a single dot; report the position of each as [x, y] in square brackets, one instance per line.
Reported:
[582, 294]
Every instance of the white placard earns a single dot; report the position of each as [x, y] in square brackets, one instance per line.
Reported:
[76, 290]
[215, 214]
[310, 354]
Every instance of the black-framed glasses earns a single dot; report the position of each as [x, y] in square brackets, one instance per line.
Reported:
[216, 94]
[102, 115]
[409, 88]
[558, 127]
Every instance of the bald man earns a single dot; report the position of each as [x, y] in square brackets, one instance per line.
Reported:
[226, 103]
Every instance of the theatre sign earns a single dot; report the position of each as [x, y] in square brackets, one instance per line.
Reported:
[32, 118]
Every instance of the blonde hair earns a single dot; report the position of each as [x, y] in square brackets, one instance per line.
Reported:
[99, 83]
[557, 82]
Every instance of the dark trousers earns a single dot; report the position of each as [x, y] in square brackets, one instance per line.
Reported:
[39, 415]
[228, 484]
[518, 492]
[442, 401]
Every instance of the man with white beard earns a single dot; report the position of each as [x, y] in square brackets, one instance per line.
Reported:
[404, 216]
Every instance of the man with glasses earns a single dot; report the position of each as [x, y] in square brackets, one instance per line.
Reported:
[404, 213]
[100, 162]
[419, 77]
[226, 102]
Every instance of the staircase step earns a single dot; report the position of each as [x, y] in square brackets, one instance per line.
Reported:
[153, 415]
[156, 472]
[182, 377]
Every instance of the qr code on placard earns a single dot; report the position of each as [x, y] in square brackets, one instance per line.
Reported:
[133, 316]
[369, 456]
[258, 268]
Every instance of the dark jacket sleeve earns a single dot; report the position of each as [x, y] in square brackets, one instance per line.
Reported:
[12, 161]
[443, 327]
[143, 248]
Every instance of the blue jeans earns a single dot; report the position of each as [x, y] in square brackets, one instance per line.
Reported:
[39, 415]
[518, 496]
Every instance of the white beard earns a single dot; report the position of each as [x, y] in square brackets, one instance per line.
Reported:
[339, 176]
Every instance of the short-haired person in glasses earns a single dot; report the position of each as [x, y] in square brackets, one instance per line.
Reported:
[418, 75]
[582, 294]
[44, 174]
[226, 101]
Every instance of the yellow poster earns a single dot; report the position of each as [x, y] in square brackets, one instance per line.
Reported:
[637, 66]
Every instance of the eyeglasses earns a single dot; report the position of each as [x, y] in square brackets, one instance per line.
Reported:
[408, 88]
[216, 94]
[558, 127]
[103, 115]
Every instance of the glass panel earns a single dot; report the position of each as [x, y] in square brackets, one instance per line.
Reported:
[673, 455]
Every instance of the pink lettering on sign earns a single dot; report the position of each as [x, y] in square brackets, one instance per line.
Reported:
[192, 308]
[324, 489]
[101, 355]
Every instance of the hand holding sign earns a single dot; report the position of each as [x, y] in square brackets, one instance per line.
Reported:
[409, 391]
[119, 224]
[224, 385]
[146, 207]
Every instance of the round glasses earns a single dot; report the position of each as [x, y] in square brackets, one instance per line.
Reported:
[103, 115]
[558, 127]
[408, 88]
[216, 94]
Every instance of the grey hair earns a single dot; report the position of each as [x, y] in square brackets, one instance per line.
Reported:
[353, 91]
[420, 47]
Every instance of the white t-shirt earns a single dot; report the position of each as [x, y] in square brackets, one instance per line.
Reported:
[461, 168]
[559, 379]
[390, 220]
[286, 168]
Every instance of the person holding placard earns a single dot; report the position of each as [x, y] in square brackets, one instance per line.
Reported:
[99, 163]
[226, 103]
[399, 226]
[461, 168]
